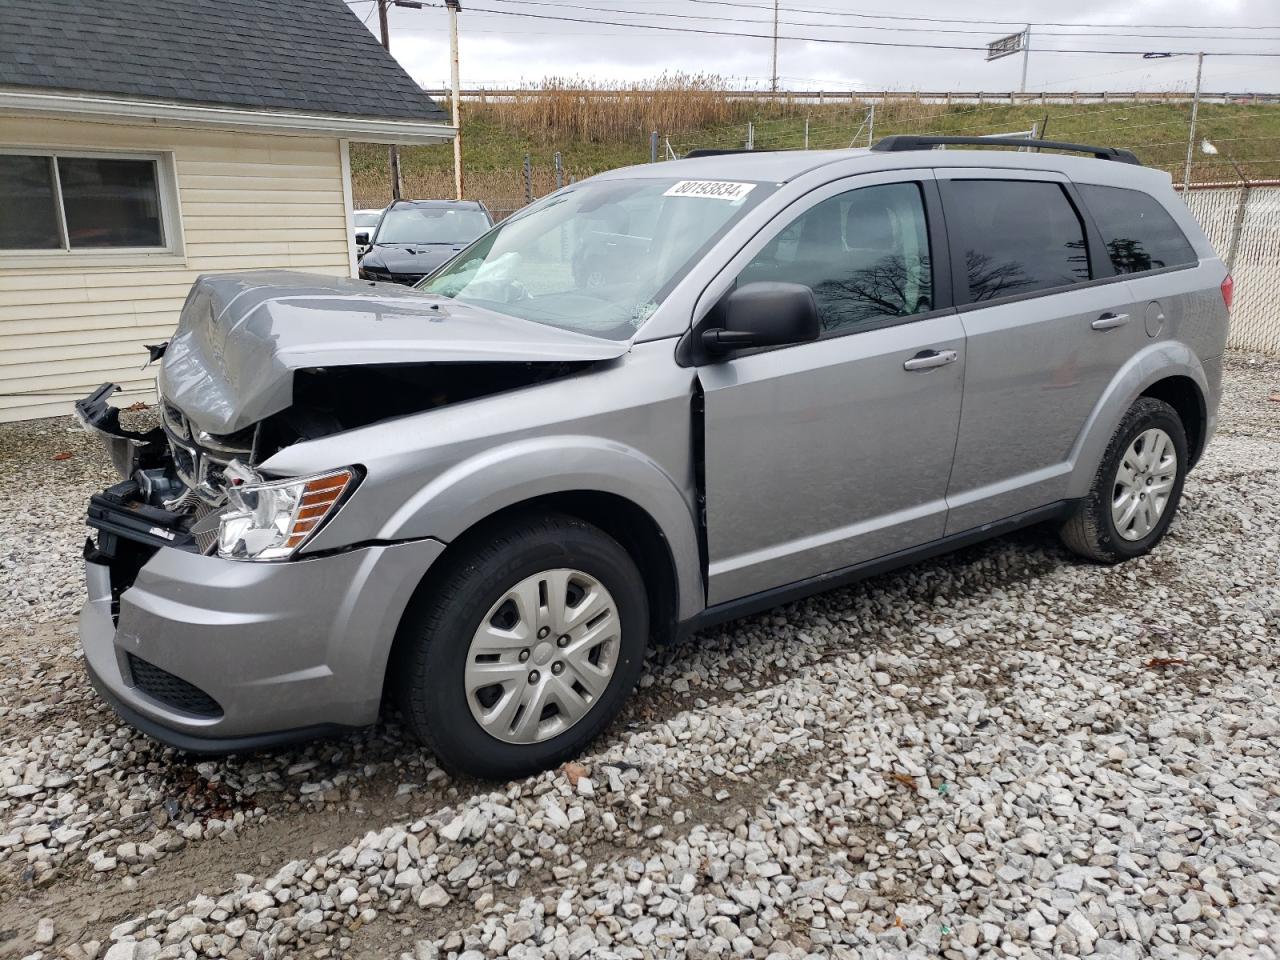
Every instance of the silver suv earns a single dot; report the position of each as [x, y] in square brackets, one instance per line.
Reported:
[656, 400]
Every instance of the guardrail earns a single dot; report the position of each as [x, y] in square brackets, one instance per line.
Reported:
[481, 94]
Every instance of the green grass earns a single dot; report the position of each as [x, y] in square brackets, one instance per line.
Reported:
[494, 146]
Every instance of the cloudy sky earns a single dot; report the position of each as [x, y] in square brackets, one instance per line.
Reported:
[500, 49]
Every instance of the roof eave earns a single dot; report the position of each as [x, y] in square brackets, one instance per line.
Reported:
[162, 112]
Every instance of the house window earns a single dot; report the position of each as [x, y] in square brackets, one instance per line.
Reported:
[82, 203]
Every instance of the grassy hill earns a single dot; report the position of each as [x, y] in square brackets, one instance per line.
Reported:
[595, 133]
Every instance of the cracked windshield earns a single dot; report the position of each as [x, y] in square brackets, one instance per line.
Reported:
[596, 258]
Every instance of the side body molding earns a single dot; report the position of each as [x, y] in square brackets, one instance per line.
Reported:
[1157, 362]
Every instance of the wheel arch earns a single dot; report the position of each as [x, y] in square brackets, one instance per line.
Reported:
[623, 519]
[1185, 396]
[1168, 371]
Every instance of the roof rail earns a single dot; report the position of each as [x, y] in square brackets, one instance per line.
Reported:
[912, 142]
[722, 151]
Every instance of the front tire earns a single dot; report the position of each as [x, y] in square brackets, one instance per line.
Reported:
[525, 650]
[1137, 488]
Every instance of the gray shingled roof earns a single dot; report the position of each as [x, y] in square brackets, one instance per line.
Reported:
[312, 56]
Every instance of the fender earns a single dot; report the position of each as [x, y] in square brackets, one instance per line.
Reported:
[1157, 362]
[478, 487]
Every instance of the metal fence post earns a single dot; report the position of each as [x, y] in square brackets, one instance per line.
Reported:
[528, 180]
[1237, 227]
[1191, 130]
[653, 146]
[559, 171]
[806, 133]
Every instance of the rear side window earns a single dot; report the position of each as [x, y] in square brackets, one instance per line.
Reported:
[1139, 233]
[1015, 236]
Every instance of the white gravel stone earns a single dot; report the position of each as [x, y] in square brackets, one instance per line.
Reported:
[1001, 753]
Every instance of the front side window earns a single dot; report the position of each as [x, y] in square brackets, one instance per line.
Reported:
[599, 256]
[57, 202]
[864, 254]
[1138, 232]
[427, 225]
[1016, 236]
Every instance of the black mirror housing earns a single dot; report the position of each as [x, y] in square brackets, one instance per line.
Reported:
[362, 239]
[765, 314]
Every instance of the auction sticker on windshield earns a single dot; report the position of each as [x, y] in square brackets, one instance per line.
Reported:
[711, 189]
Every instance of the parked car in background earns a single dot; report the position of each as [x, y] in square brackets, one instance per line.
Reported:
[415, 237]
[486, 496]
[365, 223]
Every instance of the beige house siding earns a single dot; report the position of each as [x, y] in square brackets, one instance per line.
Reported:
[247, 201]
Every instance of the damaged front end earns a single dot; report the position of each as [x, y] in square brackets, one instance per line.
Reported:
[262, 361]
[172, 486]
[198, 627]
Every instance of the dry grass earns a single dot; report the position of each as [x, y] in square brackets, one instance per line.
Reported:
[565, 108]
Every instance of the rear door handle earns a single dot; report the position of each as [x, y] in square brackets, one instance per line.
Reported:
[928, 359]
[1109, 320]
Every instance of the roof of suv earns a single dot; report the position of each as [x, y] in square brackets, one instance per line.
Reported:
[781, 166]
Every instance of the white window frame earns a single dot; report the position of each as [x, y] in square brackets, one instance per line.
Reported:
[172, 247]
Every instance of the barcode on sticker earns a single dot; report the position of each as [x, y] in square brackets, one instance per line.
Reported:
[711, 189]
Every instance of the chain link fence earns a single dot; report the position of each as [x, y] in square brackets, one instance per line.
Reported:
[1243, 224]
[502, 191]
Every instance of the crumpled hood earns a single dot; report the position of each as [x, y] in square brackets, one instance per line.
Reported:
[241, 336]
[410, 259]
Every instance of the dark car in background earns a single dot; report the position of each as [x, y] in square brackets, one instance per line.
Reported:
[416, 236]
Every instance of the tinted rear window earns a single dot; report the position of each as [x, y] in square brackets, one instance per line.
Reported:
[1139, 233]
[1016, 236]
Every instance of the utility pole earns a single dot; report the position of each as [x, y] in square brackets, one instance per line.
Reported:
[455, 6]
[774, 85]
[1026, 56]
[394, 152]
[1191, 133]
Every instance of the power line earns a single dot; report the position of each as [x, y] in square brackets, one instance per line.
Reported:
[850, 26]
[1033, 23]
[666, 28]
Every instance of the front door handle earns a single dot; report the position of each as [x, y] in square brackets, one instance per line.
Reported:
[928, 359]
[1110, 320]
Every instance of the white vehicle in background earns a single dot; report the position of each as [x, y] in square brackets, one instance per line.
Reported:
[365, 222]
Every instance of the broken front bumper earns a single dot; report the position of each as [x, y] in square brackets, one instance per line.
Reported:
[128, 449]
[214, 655]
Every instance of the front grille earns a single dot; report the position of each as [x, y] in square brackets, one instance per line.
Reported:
[170, 690]
[201, 458]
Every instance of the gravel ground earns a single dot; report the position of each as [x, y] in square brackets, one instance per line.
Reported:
[1004, 752]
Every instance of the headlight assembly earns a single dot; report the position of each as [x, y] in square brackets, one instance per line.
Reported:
[271, 520]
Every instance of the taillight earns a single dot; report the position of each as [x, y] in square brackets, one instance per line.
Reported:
[1228, 288]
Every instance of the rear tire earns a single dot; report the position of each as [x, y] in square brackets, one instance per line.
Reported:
[547, 615]
[1137, 488]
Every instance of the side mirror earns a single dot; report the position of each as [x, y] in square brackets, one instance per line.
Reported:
[764, 315]
[362, 239]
